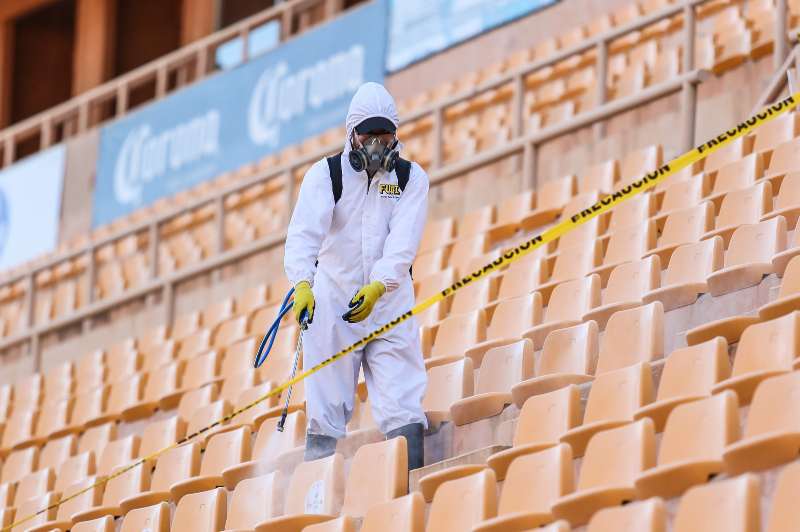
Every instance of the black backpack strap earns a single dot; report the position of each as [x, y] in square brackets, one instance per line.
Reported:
[403, 170]
[335, 169]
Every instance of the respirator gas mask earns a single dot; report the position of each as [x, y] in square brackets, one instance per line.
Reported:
[374, 154]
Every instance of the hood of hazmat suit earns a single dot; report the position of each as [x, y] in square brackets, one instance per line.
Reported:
[371, 234]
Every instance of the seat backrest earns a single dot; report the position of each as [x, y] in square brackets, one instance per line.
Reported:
[556, 193]
[252, 298]
[122, 360]
[202, 416]
[176, 464]
[229, 331]
[240, 355]
[616, 395]
[20, 427]
[692, 371]
[637, 163]
[545, 417]
[159, 355]
[600, 176]
[459, 332]
[218, 312]
[582, 235]
[570, 300]
[505, 366]
[75, 469]
[234, 384]
[448, 383]
[790, 283]
[127, 484]
[126, 393]
[522, 278]
[118, 453]
[194, 343]
[269, 442]
[687, 225]
[572, 350]
[90, 405]
[80, 496]
[631, 280]
[700, 430]
[159, 434]
[730, 505]
[101, 524]
[734, 151]
[630, 243]
[153, 518]
[462, 503]
[430, 262]
[472, 297]
[185, 324]
[433, 284]
[693, 263]
[763, 417]
[616, 457]
[58, 384]
[201, 512]
[316, 487]
[776, 132]
[404, 514]
[437, 233]
[583, 200]
[745, 205]
[738, 174]
[33, 507]
[34, 484]
[535, 481]
[514, 207]
[512, 316]
[254, 500]
[56, 451]
[783, 512]
[769, 345]
[90, 370]
[649, 515]
[225, 450]
[476, 221]
[635, 211]
[682, 193]
[756, 243]
[201, 370]
[465, 248]
[96, 438]
[631, 336]
[28, 392]
[576, 261]
[378, 473]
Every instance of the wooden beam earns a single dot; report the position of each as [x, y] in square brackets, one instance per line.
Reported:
[10, 9]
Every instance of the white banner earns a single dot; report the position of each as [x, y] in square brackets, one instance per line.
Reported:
[30, 204]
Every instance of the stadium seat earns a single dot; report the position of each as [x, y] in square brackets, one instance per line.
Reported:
[46, 501]
[569, 302]
[551, 198]
[194, 344]
[510, 213]
[770, 435]
[173, 466]
[510, 319]
[447, 383]
[437, 234]
[532, 484]
[53, 420]
[686, 275]
[154, 518]
[101, 524]
[601, 177]
[463, 249]
[542, 420]
[776, 132]
[314, 495]
[456, 334]
[201, 370]
[159, 355]
[128, 484]
[96, 438]
[202, 512]
[257, 414]
[727, 506]
[634, 211]
[34, 484]
[569, 356]
[403, 514]
[694, 439]
[613, 460]
[204, 416]
[184, 325]
[765, 349]
[613, 399]
[58, 385]
[735, 150]
[430, 262]
[689, 374]
[502, 368]
[782, 515]
[627, 284]
[735, 175]
[222, 451]
[160, 434]
[90, 371]
[627, 244]
[90, 408]
[269, 444]
[119, 452]
[632, 336]
[75, 469]
[234, 384]
[19, 430]
[462, 503]
[218, 312]
[473, 296]
[55, 451]
[230, 331]
[28, 392]
[683, 226]
[677, 195]
[75, 499]
[252, 501]
[582, 235]
[740, 207]
[378, 474]
[788, 299]
[645, 516]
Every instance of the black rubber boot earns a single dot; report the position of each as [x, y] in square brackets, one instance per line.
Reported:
[415, 439]
[319, 446]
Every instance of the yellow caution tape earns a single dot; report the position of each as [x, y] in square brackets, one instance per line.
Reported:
[602, 206]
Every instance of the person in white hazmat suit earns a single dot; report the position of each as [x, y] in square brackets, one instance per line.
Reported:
[349, 248]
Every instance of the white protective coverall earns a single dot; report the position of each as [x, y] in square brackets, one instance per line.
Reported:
[367, 237]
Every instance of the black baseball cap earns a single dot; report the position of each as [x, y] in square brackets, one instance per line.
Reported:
[376, 124]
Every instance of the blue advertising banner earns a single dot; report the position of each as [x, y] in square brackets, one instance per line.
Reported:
[419, 28]
[30, 205]
[295, 91]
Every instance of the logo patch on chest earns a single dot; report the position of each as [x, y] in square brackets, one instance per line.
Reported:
[390, 191]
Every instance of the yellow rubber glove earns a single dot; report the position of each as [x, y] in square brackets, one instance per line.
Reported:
[362, 303]
[303, 301]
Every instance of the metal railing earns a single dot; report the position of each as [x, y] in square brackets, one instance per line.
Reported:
[170, 72]
[525, 144]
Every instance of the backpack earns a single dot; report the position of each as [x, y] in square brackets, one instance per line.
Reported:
[402, 168]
